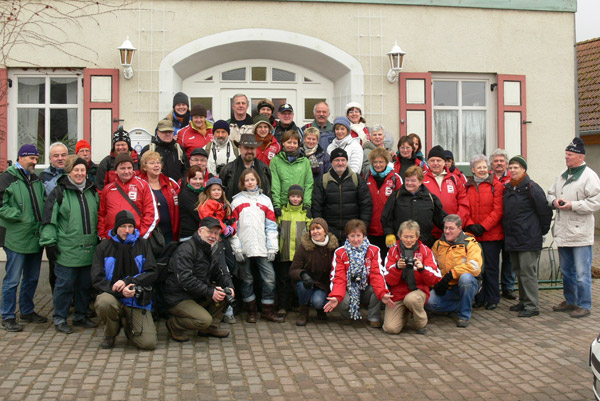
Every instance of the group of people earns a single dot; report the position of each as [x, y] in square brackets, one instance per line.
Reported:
[261, 211]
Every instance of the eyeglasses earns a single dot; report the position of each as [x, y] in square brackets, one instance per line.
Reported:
[153, 163]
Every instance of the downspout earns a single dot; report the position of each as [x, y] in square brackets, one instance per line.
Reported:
[577, 133]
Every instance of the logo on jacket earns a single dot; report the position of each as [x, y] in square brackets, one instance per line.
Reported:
[450, 188]
[388, 191]
[132, 193]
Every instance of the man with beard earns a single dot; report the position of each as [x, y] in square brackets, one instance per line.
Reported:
[221, 149]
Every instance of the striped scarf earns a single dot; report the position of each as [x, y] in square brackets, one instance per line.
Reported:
[357, 275]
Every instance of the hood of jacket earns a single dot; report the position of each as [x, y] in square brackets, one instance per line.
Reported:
[310, 246]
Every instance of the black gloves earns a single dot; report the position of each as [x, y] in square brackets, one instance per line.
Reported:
[476, 229]
[308, 211]
[277, 212]
[307, 281]
[52, 252]
[441, 287]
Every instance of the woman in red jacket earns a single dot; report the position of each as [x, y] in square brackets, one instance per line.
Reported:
[410, 272]
[356, 277]
[485, 223]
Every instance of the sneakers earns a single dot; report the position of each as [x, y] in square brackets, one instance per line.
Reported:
[564, 307]
[33, 318]
[579, 312]
[214, 331]
[63, 328]
[85, 323]
[11, 325]
[462, 323]
[509, 294]
[107, 343]
[517, 308]
[422, 330]
[177, 335]
[529, 313]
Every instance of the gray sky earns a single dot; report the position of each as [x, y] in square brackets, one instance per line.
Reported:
[587, 19]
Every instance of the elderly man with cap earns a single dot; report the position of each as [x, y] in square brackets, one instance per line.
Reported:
[127, 192]
[123, 271]
[576, 196]
[230, 174]
[321, 113]
[221, 150]
[121, 144]
[174, 160]
[198, 133]
[446, 186]
[198, 284]
[341, 195]
[269, 146]
[21, 203]
[286, 122]
[526, 220]
[198, 157]
[240, 122]
[83, 149]
[343, 140]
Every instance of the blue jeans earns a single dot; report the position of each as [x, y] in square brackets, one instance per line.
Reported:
[71, 283]
[267, 273]
[17, 265]
[315, 296]
[576, 268]
[507, 277]
[458, 298]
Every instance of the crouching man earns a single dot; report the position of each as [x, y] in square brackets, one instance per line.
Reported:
[123, 271]
[459, 259]
[194, 302]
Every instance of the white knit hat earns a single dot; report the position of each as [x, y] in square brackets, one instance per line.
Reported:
[352, 105]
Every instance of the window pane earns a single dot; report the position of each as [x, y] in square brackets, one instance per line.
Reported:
[30, 129]
[445, 93]
[446, 129]
[309, 104]
[283, 75]
[239, 74]
[259, 73]
[473, 127]
[206, 102]
[63, 127]
[31, 91]
[473, 94]
[63, 90]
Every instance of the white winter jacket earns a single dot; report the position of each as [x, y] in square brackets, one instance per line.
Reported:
[353, 148]
[256, 224]
[576, 227]
[220, 154]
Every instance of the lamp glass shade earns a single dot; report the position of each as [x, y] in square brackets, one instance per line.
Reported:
[126, 52]
[396, 56]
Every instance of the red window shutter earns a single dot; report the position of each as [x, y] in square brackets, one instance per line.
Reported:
[100, 93]
[416, 106]
[3, 120]
[512, 116]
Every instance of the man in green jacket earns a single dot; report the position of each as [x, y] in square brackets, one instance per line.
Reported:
[21, 203]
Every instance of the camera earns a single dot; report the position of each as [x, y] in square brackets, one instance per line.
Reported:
[143, 295]
[356, 279]
[410, 262]
[561, 203]
[229, 297]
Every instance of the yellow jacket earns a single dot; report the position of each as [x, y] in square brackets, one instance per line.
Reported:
[461, 256]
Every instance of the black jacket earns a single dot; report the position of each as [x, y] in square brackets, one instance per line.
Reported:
[174, 159]
[423, 207]
[230, 175]
[341, 201]
[527, 216]
[192, 269]
[189, 219]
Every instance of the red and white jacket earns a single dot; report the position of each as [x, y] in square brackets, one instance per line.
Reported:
[190, 139]
[219, 211]
[170, 189]
[380, 196]
[424, 279]
[267, 154]
[339, 272]
[112, 202]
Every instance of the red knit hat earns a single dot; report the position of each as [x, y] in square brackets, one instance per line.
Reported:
[82, 144]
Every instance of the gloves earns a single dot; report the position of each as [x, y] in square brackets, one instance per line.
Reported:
[277, 211]
[52, 252]
[228, 232]
[271, 256]
[476, 229]
[308, 211]
[441, 287]
[307, 281]
[239, 257]
[390, 240]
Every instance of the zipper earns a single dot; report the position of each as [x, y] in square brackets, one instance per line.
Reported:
[87, 227]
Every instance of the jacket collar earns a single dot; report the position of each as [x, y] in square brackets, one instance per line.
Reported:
[574, 172]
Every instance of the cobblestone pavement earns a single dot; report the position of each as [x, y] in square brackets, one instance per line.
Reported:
[499, 357]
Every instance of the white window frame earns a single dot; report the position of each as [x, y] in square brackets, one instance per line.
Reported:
[13, 106]
[490, 108]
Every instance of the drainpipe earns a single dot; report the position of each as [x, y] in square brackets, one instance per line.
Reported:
[577, 133]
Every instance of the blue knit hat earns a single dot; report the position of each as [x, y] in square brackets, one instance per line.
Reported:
[28, 150]
[221, 124]
[343, 121]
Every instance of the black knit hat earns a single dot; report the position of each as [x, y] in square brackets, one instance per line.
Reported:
[338, 152]
[576, 146]
[437, 151]
[222, 124]
[180, 97]
[121, 136]
[124, 217]
[296, 190]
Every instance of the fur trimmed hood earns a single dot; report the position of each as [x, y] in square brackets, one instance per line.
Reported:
[310, 246]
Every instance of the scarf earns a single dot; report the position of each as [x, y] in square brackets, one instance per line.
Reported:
[322, 243]
[515, 183]
[80, 187]
[357, 275]
[202, 131]
[125, 265]
[292, 156]
[573, 174]
[264, 142]
[480, 180]
[382, 174]
[198, 191]
[310, 151]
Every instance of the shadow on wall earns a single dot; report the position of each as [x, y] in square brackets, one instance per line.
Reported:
[592, 158]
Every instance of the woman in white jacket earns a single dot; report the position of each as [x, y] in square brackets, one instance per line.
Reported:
[255, 240]
[343, 139]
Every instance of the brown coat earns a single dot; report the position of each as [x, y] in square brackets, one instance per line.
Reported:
[315, 260]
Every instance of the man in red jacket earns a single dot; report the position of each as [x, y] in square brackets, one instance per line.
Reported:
[127, 192]
[446, 186]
